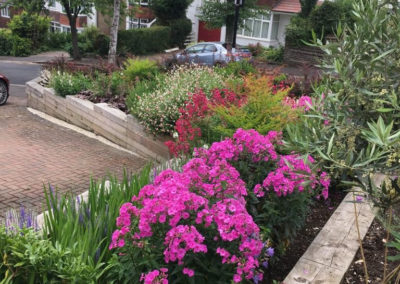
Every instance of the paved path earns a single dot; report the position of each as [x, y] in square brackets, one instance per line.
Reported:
[35, 152]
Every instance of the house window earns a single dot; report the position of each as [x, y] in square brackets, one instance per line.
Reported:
[66, 29]
[139, 2]
[259, 27]
[5, 12]
[135, 23]
[55, 27]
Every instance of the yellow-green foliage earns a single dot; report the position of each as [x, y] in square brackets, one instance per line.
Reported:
[264, 110]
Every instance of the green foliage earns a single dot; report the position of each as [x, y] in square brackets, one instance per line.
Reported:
[140, 69]
[273, 55]
[325, 18]
[140, 90]
[30, 26]
[14, 45]
[27, 257]
[306, 7]
[87, 225]
[30, 6]
[180, 29]
[298, 32]
[169, 10]
[109, 85]
[215, 13]
[263, 111]
[237, 68]
[58, 40]
[66, 84]
[353, 127]
[144, 41]
[91, 42]
[5, 42]
[158, 109]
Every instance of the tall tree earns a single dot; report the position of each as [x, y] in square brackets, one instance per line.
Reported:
[112, 52]
[219, 13]
[306, 7]
[30, 6]
[74, 8]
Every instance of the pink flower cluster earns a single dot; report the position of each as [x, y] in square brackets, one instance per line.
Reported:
[208, 195]
[155, 277]
[290, 172]
[304, 102]
[203, 208]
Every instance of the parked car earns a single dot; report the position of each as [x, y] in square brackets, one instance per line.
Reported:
[212, 53]
[4, 89]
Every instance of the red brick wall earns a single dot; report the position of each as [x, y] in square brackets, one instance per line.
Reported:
[63, 19]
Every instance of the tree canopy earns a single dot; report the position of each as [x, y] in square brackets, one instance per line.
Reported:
[218, 13]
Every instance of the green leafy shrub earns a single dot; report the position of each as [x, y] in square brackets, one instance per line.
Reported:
[263, 110]
[238, 68]
[86, 226]
[324, 19]
[180, 29]
[159, 110]
[144, 41]
[113, 84]
[27, 257]
[273, 54]
[298, 32]
[140, 68]
[58, 40]
[30, 26]
[353, 127]
[91, 42]
[66, 84]
[14, 45]
[5, 42]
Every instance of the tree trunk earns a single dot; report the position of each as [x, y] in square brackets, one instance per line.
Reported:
[230, 23]
[74, 35]
[112, 52]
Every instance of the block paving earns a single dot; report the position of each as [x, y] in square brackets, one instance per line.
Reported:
[35, 153]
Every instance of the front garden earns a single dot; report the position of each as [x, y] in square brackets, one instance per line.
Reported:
[258, 161]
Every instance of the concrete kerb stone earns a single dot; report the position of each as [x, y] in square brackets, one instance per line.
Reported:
[332, 251]
[102, 119]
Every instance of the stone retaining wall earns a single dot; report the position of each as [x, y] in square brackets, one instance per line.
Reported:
[111, 123]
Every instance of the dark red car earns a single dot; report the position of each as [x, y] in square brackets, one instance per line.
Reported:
[4, 89]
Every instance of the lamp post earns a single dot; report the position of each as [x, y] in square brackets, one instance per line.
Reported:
[238, 4]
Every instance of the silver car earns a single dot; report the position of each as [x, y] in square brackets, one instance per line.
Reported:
[212, 53]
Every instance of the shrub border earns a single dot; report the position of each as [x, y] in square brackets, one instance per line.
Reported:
[111, 123]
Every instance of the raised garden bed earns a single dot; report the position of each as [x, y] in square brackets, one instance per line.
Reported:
[100, 118]
[319, 214]
[374, 247]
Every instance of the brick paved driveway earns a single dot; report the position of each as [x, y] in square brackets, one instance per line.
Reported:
[34, 152]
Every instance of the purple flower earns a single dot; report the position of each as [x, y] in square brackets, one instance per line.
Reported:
[270, 251]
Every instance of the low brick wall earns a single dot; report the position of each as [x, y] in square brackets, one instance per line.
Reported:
[302, 55]
[111, 123]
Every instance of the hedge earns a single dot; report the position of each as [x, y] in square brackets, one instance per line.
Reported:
[144, 41]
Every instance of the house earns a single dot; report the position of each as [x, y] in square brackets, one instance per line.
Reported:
[267, 29]
[59, 19]
[141, 17]
[60, 22]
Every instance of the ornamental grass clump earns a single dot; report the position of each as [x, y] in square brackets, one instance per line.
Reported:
[207, 223]
[158, 109]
